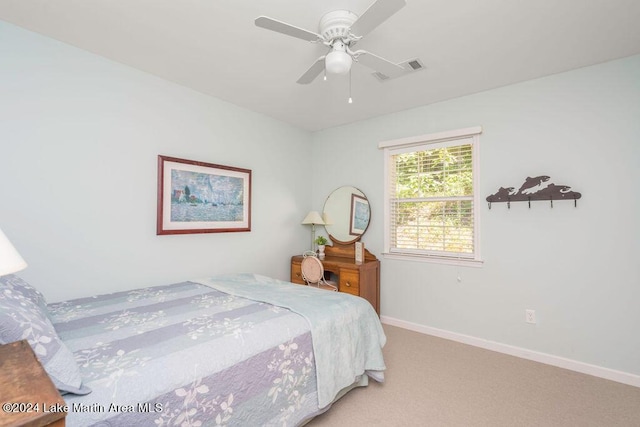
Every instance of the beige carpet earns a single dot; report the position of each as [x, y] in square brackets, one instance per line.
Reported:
[436, 382]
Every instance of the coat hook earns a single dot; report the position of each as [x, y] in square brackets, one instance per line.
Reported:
[489, 205]
[575, 202]
[509, 203]
[529, 200]
[551, 199]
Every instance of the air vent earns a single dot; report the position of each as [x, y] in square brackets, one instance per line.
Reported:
[415, 64]
[410, 67]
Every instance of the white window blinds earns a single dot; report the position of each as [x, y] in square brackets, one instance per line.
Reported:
[431, 200]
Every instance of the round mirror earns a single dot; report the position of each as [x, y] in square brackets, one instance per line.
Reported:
[347, 212]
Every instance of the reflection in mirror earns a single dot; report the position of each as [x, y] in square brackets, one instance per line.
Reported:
[347, 212]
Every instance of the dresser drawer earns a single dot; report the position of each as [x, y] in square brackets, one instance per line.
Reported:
[350, 282]
[296, 273]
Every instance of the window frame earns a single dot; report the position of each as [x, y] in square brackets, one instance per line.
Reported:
[427, 142]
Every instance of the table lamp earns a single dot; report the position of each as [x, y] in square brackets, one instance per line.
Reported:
[313, 218]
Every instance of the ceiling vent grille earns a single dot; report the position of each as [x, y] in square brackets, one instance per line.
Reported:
[410, 67]
[414, 64]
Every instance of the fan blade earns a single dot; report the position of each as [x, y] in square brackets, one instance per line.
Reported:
[284, 28]
[376, 63]
[313, 72]
[377, 13]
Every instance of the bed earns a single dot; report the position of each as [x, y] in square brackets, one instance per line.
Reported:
[238, 349]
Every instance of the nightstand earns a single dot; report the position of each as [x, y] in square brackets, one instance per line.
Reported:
[361, 279]
[24, 384]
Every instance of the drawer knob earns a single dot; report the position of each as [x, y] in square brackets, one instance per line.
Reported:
[297, 274]
[348, 284]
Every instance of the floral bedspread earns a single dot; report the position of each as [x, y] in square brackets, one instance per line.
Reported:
[346, 332]
[187, 355]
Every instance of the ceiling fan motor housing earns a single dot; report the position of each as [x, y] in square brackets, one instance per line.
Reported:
[336, 24]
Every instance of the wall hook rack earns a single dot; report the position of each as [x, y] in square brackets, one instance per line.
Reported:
[537, 188]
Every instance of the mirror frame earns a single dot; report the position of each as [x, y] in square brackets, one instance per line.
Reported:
[351, 193]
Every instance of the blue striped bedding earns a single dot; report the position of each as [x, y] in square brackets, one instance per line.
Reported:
[193, 355]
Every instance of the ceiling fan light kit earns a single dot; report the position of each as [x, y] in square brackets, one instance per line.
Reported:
[340, 30]
[338, 61]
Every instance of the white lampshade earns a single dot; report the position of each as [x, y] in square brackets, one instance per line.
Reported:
[10, 259]
[338, 62]
[313, 217]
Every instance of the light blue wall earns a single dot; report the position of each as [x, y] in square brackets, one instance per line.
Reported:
[577, 267]
[79, 140]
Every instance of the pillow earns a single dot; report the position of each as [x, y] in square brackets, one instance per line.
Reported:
[18, 285]
[22, 317]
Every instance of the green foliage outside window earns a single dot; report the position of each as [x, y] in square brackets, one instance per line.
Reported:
[433, 200]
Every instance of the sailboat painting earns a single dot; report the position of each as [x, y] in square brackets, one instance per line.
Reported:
[197, 197]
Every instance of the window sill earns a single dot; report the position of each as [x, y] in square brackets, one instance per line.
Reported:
[434, 260]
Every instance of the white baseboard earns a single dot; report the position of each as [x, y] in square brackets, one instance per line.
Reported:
[549, 359]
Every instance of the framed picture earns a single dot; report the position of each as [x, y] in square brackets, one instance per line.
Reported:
[198, 197]
[359, 215]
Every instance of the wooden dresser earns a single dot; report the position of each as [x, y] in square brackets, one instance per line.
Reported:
[28, 396]
[361, 279]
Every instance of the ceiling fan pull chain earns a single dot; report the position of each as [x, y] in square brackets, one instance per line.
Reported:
[350, 99]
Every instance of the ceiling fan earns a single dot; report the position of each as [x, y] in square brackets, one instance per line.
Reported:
[340, 30]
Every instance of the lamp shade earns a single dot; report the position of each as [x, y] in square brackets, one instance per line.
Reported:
[313, 217]
[10, 259]
[338, 62]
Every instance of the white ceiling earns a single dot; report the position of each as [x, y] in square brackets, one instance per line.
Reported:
[213, 47]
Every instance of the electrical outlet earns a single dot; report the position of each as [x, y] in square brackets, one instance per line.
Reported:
[530, 316]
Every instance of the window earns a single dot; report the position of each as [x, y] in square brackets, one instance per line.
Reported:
[431, 197]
